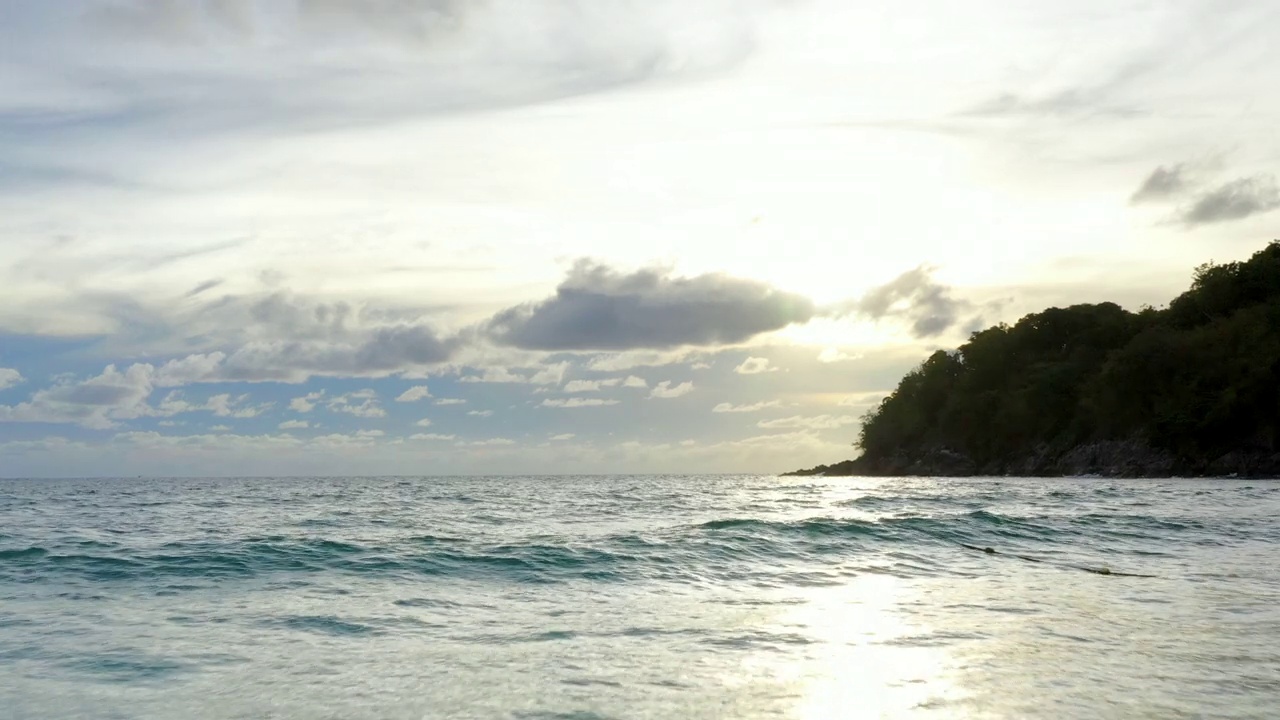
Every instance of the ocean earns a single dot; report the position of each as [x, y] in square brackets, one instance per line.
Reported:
[639, 597]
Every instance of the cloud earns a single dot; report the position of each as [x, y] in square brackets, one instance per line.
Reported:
[480, 413]
[100, 401]
[414, 394]
[306, 403]
[562, 437]
[432, 436]
[379, 352]
[834, 355]
[94, 403]
[1161, 184]
[755, 407]
[581, 386]
[491, 442]
[424, 422]
[225, 406]
[9, 378]
[294, 425]
[820, 422]
[363, 403]
[450, 401]
[598, 308]
[203, 287]
[551, 374]
[917, 298]
[665, 390]
[1234, 200]
[369, 433]
[867, 399]
[367, 353]
[634, 382]
[754, 366]
[577, 402]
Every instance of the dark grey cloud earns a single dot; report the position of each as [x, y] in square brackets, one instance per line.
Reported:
[1162, 184]
[915, 297]
[598, 308]
[1234, 200]
[367, 353]
[203, 287]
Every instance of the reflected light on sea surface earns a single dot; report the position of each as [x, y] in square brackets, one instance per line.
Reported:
[867, 659]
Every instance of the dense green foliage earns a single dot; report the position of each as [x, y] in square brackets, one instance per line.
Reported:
[1198, 379]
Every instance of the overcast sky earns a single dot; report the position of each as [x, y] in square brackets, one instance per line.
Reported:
[560, 236]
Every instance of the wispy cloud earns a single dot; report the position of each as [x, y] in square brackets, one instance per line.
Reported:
[665, 390]
[753, 407]
[927, 306]
[577, 402]
[754, 366]
[1234, 200]
[819, 422]
[414, 394]
[1163, 183]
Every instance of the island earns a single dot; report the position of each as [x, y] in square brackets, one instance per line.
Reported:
[1192, 389]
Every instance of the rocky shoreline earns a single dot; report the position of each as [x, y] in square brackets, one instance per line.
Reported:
[1112, 458]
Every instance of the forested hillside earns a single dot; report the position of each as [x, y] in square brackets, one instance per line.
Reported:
[1190, 389]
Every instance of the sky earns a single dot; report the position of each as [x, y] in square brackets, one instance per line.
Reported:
[318, 237]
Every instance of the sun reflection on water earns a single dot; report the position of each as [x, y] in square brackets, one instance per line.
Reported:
[866, 659]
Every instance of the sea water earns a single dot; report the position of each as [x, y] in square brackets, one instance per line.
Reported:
[639, 597]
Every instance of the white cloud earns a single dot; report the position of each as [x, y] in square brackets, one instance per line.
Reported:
[225, 406]
[495, 375]
[665, 390]
[432, 436]
[450, 401]
[294, 425]
[9, 377]
[583, 386]
[221, 428]
[862, 399]
[369, 433]
[754, 407]
[562, 437]
[414, 394]
[306, 403]
[366, 407]
[480, 413]
[634, 382]
[833, 355]
[577, 402]
[94, 403]
[548, 375]
[492, 442]
[754, 366]
[424, 422]
[818, 422]
[701, 366]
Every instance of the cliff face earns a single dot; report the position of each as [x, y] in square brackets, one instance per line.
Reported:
[1110, 458]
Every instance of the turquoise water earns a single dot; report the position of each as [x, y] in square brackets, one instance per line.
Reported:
[639, 597]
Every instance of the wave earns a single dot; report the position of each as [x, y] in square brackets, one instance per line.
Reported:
[725, 548]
